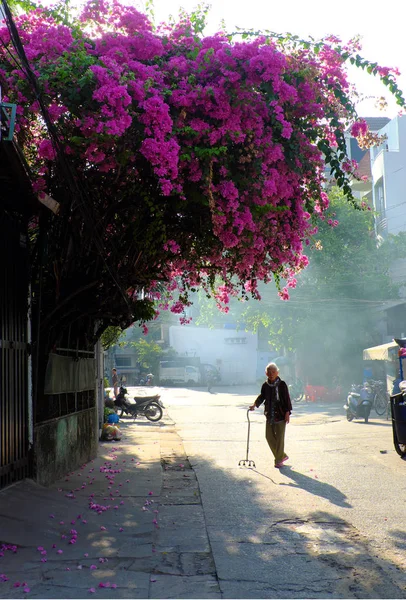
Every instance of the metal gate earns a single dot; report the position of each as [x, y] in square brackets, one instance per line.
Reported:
[14, 426]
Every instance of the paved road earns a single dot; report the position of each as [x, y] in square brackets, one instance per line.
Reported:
[332, 523]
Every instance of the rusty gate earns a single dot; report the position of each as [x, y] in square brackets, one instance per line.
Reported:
[14, 423]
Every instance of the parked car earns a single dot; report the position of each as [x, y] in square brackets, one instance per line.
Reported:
[174, 373]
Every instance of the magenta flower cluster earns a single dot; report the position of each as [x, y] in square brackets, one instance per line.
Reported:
[234, 124]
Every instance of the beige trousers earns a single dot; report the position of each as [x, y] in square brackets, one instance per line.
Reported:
[275, 436]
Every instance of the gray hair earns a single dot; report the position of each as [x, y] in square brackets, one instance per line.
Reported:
[272, 367]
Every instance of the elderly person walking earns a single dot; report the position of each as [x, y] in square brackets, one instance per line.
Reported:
[278, 407]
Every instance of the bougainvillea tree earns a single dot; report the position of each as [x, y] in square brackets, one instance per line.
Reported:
[175, 159]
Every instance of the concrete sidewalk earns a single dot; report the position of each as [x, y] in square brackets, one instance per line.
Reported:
[130, 524]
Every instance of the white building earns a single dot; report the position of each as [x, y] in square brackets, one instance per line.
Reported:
[388, 168]
[233, 352]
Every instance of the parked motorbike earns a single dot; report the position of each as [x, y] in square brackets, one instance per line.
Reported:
[147, 406]
[359, 402]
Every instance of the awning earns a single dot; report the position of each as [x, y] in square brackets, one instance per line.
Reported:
[382, 352]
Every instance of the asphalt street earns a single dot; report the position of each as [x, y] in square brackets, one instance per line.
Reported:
[339, 504]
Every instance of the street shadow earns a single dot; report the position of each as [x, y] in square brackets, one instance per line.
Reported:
[315, 487]
[399, 538]
[373, 423]
[255, 542]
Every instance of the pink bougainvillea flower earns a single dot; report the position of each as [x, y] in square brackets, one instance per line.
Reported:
[93, 567]
[26, 590]
[92, 590]
[59, 551]
[121, 529]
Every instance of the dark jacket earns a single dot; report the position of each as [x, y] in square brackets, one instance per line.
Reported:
[275, 411]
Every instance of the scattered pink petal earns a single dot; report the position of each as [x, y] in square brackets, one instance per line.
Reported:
[26, 590]
[150, 493]
[93, 567]
[102, 528]
[152, 580]
[86, 554]
[92, 590]
[40, 548]
[52, 516]
[114, 585]
[59, 551]
[121, 529]
[67, 569]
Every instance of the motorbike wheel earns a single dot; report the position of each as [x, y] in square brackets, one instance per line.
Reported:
[380, 403]
[153, 412]
[296, 393]
[349, 416]
[400, 448]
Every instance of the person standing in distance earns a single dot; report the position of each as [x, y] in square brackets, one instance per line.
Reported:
[114, 380]
[278, 408]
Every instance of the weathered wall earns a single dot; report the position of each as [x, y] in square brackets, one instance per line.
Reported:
[63, 444]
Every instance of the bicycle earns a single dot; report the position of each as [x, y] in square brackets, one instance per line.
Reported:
[381, 398]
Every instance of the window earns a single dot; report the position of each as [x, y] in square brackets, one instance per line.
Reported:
[235, 340]
[123, 361]
[381, 221]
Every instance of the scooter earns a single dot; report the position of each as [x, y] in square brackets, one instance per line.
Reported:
[359, 402]
[148, 406]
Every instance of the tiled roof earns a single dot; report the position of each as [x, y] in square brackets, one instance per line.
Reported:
[376, 123]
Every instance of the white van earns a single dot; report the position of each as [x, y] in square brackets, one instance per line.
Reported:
[171, 372]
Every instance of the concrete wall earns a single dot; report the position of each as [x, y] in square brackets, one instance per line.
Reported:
[63, 444]
[237, 362]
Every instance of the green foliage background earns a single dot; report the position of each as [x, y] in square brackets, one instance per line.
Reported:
[333, 312]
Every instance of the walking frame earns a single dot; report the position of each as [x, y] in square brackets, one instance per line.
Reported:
[247, 462]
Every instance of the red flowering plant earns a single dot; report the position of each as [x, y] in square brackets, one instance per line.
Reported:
[175, 158]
